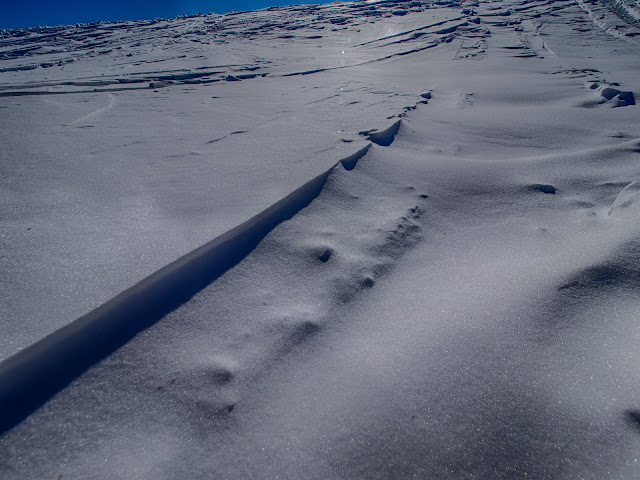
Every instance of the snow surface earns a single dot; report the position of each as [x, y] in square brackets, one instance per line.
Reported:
[369, 239]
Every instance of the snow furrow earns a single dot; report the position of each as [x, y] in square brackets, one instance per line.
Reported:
[628, 11]
[609, 29]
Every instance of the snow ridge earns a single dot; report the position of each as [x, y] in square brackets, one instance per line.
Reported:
[30, 377]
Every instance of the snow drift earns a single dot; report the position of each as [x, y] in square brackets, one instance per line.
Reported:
[365, 239]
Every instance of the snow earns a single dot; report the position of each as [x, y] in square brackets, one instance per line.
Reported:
[408, 246]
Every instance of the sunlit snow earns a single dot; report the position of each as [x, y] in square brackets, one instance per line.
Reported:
[371, 239]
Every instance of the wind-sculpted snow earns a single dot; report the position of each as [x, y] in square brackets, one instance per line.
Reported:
[372, 239]
[164, 66]
[386, 136]
[33, 375]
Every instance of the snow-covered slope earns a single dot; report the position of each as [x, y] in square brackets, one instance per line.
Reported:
[359, 240]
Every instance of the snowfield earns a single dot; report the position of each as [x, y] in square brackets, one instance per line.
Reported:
[370, 239]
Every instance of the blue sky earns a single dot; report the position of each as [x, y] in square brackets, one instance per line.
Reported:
[23, 13]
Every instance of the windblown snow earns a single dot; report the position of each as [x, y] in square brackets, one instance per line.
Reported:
[369, 239]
